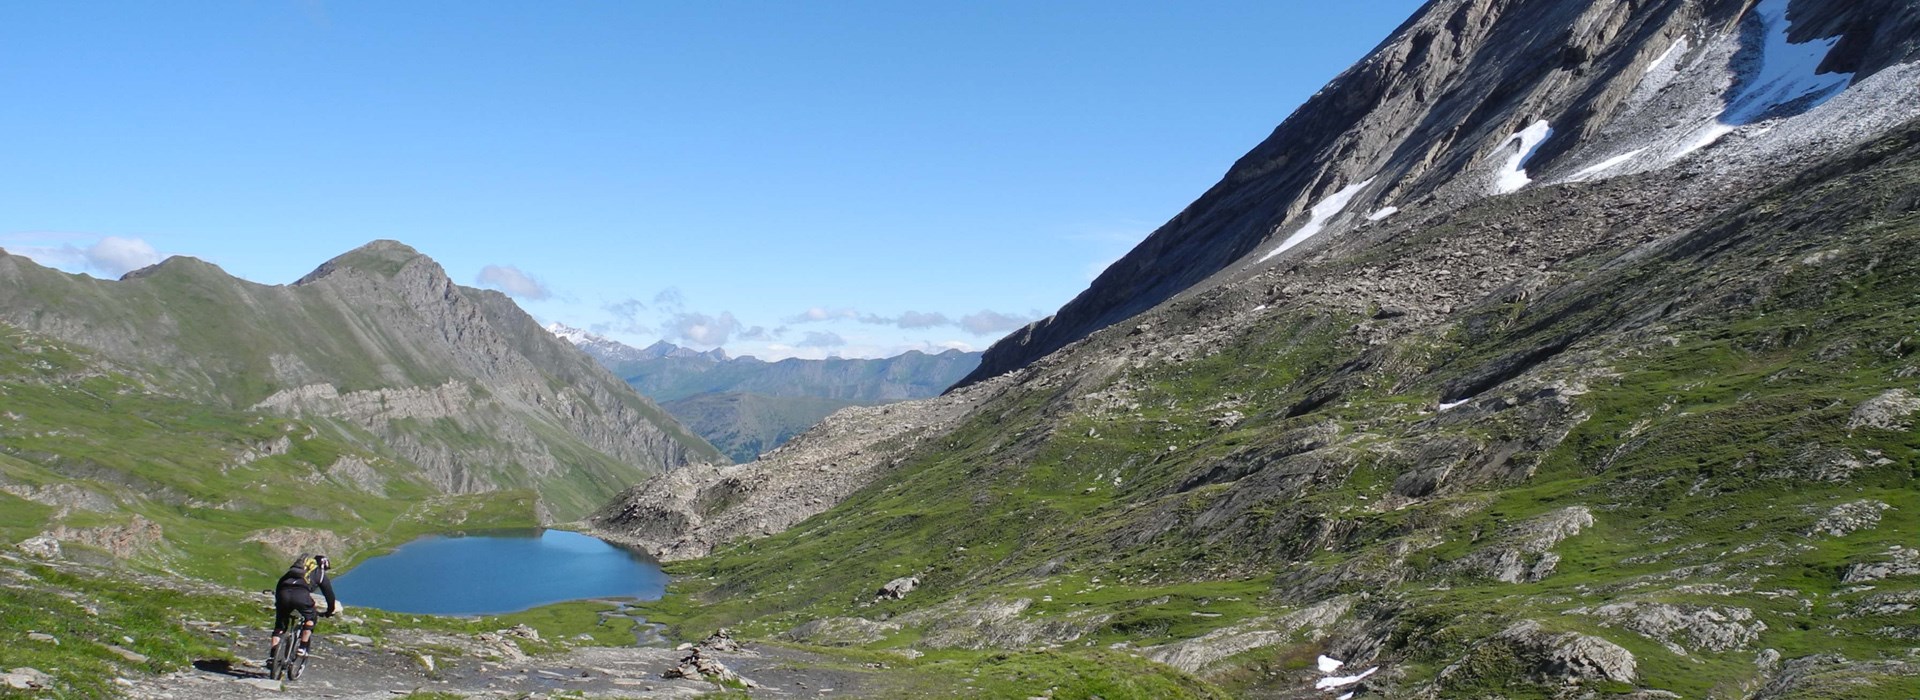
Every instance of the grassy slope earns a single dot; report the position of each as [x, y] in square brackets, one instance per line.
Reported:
[1703, 437]
[179, 464]
[206, 335]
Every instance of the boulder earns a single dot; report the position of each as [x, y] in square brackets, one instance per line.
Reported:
[1567, 656]
[898, 588]
[24, 678]
[1888, 411]
[40, 547]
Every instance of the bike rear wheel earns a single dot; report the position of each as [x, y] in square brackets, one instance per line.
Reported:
[285, 663]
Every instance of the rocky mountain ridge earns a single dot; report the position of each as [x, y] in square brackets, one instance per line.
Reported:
[379, 342]
[1470, 98]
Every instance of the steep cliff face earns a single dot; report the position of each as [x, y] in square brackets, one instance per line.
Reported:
[380, 341]
[1473, 98]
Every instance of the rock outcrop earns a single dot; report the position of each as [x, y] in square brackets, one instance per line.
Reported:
[686, 513]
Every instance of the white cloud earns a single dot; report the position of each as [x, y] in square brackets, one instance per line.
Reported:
[911, 320]
[117, 256]
[823, 340]
[513, 281]
[701, 329]
[819, 314]
[988, 322]
[109, 257]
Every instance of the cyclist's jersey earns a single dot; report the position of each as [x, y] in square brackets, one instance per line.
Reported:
[306, 573]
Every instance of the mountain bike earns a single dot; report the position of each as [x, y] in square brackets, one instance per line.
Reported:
[286, 663]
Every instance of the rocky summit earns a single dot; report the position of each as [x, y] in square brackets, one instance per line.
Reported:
[1559, 348]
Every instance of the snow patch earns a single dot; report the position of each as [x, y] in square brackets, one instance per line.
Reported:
[1321, 212]
[1788, 71]
[571, 334]
[1262, 307]
[1606, 165]
[1450, 405]
[1332, 682]
[1329, 664]
[1383, 213]
[1677, 46]
[1705, 137]
[1513, 175]
[1787, 75]
[1348, 696]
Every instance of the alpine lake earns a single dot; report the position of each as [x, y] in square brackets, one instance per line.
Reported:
[499, 572]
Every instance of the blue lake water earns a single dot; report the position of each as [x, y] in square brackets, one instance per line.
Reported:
[499, 573]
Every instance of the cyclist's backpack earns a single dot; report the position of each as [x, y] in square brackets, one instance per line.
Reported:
[306, 571]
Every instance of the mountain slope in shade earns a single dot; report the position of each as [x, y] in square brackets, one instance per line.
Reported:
[381, 344]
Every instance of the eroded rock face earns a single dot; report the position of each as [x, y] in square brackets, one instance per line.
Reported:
[1522, 553]
[1684, 628]
[1900, 561]
[1892, 410]
[685, 513]
[138, 535]
[1571, 655]
[1848, 518]
[293, 541]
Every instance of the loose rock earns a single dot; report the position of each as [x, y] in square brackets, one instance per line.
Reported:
[898, 588]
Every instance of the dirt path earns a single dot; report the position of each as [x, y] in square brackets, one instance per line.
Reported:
[350, 668]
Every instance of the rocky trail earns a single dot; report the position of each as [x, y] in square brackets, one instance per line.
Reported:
[491, 666]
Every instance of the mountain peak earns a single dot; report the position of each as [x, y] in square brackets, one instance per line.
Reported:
[382, 257]
[176, 265]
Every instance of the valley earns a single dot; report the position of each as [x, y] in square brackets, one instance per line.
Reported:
[1557, 349]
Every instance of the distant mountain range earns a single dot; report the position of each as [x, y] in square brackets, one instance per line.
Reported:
[746, 406]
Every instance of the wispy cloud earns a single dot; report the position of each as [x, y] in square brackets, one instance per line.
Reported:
[110, 257]
[827, 339]
[118, 256]
[819, 314]
[626, 318]
[513, 281]
[702, 329]
[762, 333]
[911, 320]
[988, 322]
[983, 322]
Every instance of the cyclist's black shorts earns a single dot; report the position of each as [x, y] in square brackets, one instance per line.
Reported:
[288, 600]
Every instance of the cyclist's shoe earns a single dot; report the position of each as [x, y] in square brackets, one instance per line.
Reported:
[301, 652]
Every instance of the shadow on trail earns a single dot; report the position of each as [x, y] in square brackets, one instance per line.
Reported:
[225, 667]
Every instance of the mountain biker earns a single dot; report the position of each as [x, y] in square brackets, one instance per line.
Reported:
[294, 594]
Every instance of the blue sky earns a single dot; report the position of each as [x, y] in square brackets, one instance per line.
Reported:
[780, 179]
